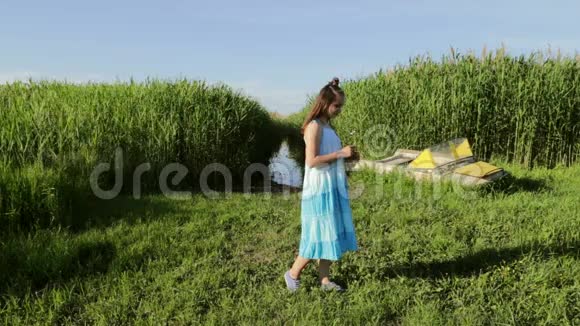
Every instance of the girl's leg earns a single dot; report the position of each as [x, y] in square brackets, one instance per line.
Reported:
[324, 270]
[298, 266]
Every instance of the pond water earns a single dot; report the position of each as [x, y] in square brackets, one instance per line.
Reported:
[284, 169]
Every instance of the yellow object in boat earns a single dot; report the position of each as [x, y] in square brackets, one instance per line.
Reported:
[462, 150]
[478, 169]
[424, 160]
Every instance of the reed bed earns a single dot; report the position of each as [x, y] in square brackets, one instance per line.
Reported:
[525, 109]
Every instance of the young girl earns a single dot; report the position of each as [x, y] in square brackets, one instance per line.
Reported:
[327, 228]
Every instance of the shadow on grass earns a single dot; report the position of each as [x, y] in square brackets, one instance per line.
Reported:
[482, 261]
[40, 259]
[99, 213]
[92, 212]
[274, 188]
[510, 185]
[30, 265]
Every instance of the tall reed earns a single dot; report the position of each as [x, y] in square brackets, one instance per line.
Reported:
[525, 108]
[61, 131]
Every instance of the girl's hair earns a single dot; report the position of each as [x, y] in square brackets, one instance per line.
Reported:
[328, 94]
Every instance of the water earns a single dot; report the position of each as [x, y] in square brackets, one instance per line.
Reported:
[284, 169]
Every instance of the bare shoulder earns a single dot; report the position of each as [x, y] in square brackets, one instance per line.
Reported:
[313, 127]
[313, 131]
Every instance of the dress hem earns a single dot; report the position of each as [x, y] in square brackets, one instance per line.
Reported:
[331, 250]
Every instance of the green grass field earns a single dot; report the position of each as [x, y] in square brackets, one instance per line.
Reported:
[428, 255]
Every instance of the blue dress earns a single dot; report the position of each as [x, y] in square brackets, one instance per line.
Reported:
[327, 227]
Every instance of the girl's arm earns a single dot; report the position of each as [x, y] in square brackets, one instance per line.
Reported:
[312, 136]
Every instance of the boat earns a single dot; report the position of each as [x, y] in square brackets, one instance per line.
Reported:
[451, 160]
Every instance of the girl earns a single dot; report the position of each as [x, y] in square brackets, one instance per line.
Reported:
[327, 228]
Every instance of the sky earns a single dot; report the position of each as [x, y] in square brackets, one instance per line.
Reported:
[277, 52]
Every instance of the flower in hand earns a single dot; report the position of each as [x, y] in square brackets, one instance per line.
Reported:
[350, 153]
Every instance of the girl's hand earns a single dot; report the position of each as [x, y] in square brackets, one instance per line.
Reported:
[347, 152]
[355, 154]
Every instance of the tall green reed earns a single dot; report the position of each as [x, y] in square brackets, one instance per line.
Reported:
[523, 108]
[62, 131]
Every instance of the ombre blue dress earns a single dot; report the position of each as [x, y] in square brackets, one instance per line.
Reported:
[327, 227]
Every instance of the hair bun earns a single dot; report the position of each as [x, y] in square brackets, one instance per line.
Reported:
[334, 81]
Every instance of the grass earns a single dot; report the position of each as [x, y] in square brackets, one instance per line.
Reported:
[53, 134]
[154, 121]
[524, 108]
[429, 253]
[502, 255]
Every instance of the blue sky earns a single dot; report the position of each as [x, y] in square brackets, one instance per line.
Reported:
[278, 52]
